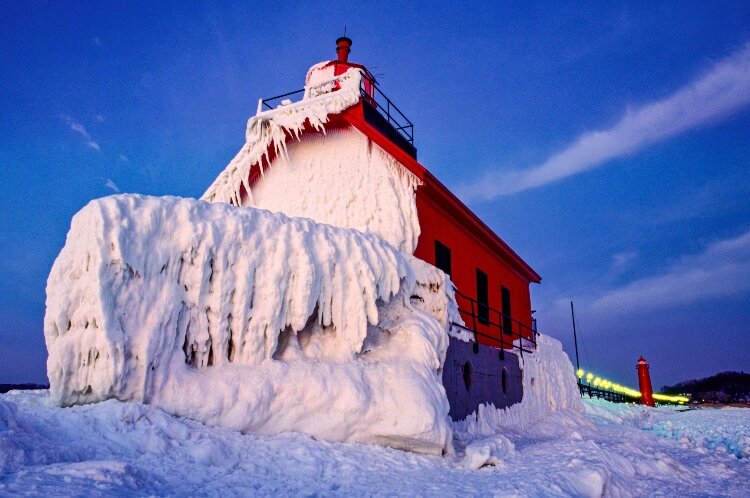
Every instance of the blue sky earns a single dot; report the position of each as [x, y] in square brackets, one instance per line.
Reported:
[608, 145]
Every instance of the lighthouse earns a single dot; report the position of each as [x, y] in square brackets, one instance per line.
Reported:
[644, 382]
[341, 152]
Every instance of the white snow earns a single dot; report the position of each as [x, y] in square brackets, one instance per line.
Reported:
[341, 178]
[125, 449]
[250, 320]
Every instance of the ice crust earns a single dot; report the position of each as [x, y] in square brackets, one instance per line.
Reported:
[250, 320]
[129, 449]
[272, 128]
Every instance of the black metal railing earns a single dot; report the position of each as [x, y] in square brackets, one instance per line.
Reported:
[273, 102]
[595, 392]
[372, 94]
[500, 330]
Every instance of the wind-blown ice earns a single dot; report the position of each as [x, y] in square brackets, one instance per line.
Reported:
[250, 320]
[343, 179]
[336, 176]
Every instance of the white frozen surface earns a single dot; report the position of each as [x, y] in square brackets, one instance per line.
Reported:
[341, 178]
[250, 320]
[126, 449]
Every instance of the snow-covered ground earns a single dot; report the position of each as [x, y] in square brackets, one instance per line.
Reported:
[115, 448]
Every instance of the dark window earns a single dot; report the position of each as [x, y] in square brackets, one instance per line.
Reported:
[507, 317]
[442, 257]
[483, 302]
[505, 381]
[467, 375]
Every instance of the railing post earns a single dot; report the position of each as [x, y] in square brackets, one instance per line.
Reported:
[474, 321]
[502, 332]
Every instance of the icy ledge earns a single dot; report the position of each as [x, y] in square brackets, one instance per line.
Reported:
[250, 320]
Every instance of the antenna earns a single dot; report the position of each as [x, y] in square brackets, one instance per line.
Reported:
[575, 336]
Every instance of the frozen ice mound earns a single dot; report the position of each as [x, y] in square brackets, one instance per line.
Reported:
[251, 320]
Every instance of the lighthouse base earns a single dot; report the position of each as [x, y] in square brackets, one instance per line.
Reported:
[477, 374]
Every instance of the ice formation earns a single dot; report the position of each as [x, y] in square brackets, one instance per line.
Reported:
[130, 449]
[337, 176]
[250, 320]
[549, 386]
[365, 188]
[270, 129]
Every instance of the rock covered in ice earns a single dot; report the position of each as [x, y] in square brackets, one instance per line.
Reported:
[493, 450]
[250, 320]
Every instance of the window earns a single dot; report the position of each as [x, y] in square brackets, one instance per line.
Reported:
[443, 257]
[505, 380]
[483, 307]
[466, 370]
[507, 317]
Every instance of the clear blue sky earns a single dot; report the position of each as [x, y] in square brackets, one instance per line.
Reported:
[645, 225]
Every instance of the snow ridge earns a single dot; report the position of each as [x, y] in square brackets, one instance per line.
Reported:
[251, 320]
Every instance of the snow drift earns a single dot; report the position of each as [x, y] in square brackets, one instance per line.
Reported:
[250, 320]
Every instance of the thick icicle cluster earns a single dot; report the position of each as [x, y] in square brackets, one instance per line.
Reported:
[251, 320]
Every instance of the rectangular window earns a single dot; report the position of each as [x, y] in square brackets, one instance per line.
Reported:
[483, 303]
[442, 257]
[507, 317]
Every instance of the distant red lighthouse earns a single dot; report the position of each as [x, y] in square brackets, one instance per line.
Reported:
[644, 382]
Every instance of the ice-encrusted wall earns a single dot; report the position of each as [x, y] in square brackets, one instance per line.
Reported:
[342, 178]
[251, 320]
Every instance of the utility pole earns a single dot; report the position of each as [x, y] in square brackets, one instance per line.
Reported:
[575, 336]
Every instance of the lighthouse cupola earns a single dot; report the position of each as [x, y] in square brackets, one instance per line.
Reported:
[343, 47]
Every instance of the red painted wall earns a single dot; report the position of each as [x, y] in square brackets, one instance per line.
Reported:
[473, 245]
[468, 253]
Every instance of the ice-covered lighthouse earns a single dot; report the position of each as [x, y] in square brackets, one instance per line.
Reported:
[304, 291]
[340, 152]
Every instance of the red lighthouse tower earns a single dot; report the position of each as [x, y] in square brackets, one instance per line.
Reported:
[644, 382]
